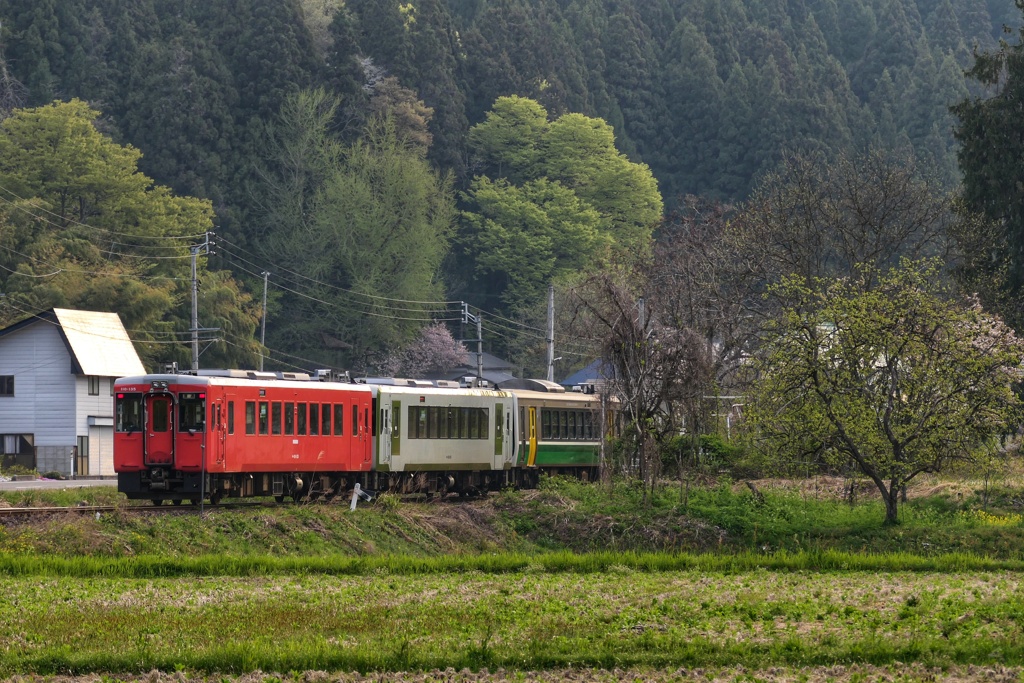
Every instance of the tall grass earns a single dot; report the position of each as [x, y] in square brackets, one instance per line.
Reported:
[555, 562]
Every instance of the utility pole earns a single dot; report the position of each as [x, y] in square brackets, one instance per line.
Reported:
[468, 317]
[263, 322]
[551, 333]
[203, 248]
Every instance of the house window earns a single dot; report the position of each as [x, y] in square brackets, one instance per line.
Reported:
[94, 385]
[6, 385]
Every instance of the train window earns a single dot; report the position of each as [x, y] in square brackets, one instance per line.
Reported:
[231, 417]
[129, 412]
[355, 420]
[464, 414]
[563, 424]
[191, 412]
[289, 418]
[588, 426]
[545, 422]
[250, 417]
[300, 419]
[474, 424]
[314, 419]
[339, 419]
[275, 417]
[161, 408]
[453, 423]
[417, 422]
[264, 414]
[433, 417]
[325, 419]
[442, 423]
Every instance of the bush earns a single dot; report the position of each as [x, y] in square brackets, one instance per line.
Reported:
[19, 470]
[713, 455]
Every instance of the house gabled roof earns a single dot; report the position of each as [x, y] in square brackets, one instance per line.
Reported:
[97, 342]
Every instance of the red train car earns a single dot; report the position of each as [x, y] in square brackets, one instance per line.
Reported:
[239, 433]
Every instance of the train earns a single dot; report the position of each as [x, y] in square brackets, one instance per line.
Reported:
[239, 433]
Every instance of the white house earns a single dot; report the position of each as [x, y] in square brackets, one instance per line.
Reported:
[57, 372]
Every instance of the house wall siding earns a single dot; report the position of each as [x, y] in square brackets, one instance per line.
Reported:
[44, 388]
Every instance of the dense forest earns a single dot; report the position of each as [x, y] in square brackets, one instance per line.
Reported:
[383, 159]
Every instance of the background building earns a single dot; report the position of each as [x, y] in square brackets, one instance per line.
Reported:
[57, 372]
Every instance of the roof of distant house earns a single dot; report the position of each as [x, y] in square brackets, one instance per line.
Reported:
[597, 370]
[97, 341]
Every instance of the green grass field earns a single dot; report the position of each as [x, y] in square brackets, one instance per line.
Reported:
[794, 584]
[529, 619]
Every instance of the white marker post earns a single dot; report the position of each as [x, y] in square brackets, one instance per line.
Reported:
[357, 493]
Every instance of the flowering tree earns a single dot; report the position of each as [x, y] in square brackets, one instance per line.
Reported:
[895, 378]
[435, 350]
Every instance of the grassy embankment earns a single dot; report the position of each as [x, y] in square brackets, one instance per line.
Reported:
[940, 518]
[790, 579]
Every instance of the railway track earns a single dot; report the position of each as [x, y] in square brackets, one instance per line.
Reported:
[92, 509]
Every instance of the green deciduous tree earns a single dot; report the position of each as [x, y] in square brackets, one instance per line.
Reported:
[560, 190]
[886, 372]
[83, 228]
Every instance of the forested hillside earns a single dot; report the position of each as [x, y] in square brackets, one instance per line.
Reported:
[705, 92]
[708, 94]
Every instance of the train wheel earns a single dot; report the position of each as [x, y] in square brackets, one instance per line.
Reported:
[158, 502]
[193, 501]
[178, 501]
[279, 499]
[215, 498]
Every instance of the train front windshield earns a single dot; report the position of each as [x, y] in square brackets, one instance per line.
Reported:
[192, 412]
[129, 412]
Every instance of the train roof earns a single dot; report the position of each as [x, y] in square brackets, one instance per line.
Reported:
[244, 379]
[566, 398]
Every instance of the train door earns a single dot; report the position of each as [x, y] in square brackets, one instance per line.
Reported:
[159, 446]
[531, 460]
[382, 432]
[510, 435]
[366, 435]
[396, 428]
[219, 420]
[499, 429]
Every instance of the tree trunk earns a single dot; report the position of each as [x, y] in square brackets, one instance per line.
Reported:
[891, 499]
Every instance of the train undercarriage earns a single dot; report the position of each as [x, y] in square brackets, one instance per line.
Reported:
[165, 484]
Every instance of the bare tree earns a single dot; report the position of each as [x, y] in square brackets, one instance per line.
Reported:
[658, 366]
[821, 219]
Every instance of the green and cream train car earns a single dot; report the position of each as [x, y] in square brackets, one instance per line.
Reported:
[561, 432]
[437, 437]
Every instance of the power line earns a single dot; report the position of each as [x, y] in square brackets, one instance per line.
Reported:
[339, 288]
